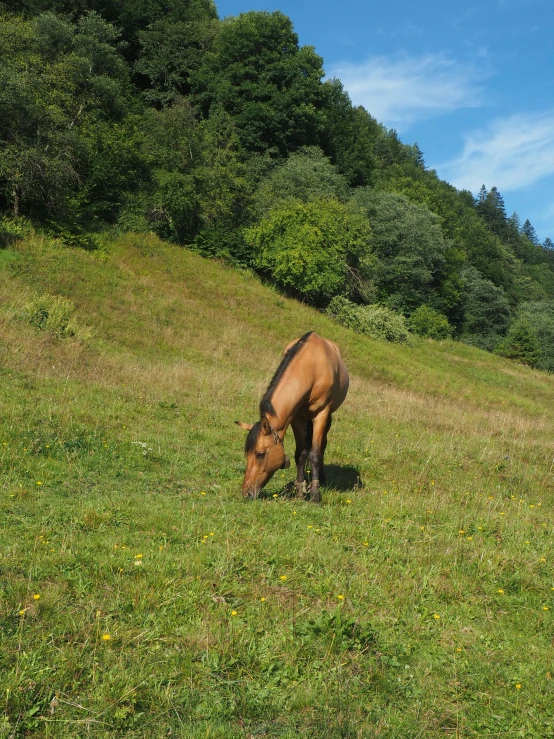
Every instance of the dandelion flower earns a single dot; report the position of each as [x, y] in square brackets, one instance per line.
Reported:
[106, 637]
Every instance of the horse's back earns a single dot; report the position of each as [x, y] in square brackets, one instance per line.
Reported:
[325, 373]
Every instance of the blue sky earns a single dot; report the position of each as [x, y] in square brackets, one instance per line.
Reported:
[472, 83]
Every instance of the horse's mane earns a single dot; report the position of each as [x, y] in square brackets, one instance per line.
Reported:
[266, 406]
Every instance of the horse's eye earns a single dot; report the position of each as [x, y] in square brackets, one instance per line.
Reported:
[260, 455]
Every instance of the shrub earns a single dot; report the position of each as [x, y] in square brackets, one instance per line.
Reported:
[375, 321]
[54, 313]
[428, 322]
[13, 229]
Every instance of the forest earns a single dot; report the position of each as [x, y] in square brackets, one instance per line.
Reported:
[224, 136]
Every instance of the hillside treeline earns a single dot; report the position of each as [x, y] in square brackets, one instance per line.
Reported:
[156, 115]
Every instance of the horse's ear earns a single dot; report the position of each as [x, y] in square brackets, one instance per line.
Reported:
[266, 426]
[244, 426]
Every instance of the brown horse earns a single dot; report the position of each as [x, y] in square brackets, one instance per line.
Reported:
[309, 385]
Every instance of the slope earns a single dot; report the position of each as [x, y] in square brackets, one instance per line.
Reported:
[141, 592]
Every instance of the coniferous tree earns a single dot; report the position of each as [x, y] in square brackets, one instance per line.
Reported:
[528, 231]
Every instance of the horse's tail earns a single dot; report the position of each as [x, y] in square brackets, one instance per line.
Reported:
[309, 434]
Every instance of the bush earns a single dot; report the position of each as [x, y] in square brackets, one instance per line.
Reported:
[55, 314]
[428, 322]
[13, 229]
[375, 321]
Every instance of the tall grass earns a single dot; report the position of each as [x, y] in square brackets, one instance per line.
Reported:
[415, 602]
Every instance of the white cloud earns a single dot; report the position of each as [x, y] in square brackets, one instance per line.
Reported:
[511, 153]
[400, 92]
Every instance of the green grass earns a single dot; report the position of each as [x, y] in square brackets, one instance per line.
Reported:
[412, 603]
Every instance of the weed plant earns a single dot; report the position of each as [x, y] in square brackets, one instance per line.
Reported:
[142, 597]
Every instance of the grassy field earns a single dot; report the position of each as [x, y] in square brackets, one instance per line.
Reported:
[140, 596]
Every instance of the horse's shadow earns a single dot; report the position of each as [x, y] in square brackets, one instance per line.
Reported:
[339, 477]
[342, 477]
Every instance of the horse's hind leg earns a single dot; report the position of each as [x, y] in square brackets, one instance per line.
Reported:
[319, 442]
[322, 475]
[302, 430]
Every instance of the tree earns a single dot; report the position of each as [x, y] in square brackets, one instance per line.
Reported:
[305, 175]
[486, 310]
[314, 250]
[521, 343]
[528, 231]
[258, 74]
[408, 242]
[172, 51]
[54, 77]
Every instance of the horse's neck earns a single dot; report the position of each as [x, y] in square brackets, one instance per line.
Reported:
[285, 406]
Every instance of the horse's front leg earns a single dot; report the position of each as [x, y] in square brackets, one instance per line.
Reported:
[301, 453]
[321, 424]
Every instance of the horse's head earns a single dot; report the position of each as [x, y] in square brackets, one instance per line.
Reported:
[264, 456]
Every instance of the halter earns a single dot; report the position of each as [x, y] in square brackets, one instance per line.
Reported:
[276, 438]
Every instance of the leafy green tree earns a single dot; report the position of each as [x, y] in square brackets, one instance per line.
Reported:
[197, 178]
[486, 311]
[172, 51]
[54, 77]
[428, 322]
[540, 316]
[314, 250]
[259, 75]
[521, 343]
[304, 175]
[408, 242]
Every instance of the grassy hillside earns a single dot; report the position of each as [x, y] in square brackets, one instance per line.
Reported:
[143, 595]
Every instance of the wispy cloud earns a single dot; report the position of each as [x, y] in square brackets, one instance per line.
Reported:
[402, 91]
[510, 153]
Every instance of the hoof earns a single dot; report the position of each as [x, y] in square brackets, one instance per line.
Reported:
[315, 495]
[300, 489]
